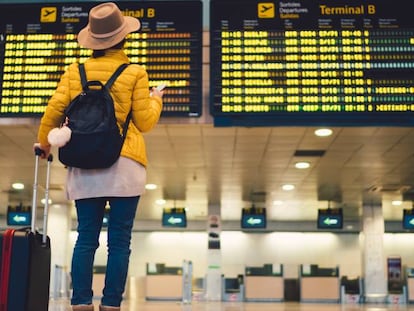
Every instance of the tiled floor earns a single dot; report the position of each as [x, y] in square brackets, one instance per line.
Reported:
[131, 305]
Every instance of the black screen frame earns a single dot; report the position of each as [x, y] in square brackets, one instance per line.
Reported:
[179, 213]
[408, 214]
[19, 210]
[257, 213]
[336, 213]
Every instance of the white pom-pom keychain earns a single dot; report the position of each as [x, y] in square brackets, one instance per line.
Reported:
[59, 136]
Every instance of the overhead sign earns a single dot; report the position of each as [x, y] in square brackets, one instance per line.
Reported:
[408, 219]
[38, 41]
[311, 62]
[330, 218]
[19, 215]
[174, 217]
[253, 218]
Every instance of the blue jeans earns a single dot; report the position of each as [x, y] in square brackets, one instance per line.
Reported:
[90, 213]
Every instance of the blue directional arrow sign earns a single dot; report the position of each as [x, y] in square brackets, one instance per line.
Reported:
[254, 221]
[19, 219]
[408, 219]
[174, 220]
[331, 218]
[174, 217]
[253, 218]
[330, 221]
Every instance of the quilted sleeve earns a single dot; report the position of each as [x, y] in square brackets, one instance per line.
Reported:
[146, 110]
[54, 112]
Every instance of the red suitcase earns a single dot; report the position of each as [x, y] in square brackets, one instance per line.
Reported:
[25, 260]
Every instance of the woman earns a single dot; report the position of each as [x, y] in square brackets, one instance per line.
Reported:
[122, 184]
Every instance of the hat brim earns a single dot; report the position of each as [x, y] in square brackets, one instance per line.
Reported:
[87, 41]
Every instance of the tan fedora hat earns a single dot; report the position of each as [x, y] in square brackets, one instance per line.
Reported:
[107, 27]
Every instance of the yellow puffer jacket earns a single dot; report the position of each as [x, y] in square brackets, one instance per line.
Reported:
[130, 91]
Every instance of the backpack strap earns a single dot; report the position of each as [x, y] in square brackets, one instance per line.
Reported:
[126, 124]
[82, 74]
[108, 86]
[111, 80]
[115, 75]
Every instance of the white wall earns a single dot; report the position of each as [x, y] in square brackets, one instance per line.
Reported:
[400, 244]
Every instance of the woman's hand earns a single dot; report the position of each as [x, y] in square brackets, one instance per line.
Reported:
[156, 92]
[45, 150]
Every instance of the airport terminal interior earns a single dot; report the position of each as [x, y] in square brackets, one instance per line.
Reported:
[280, 175]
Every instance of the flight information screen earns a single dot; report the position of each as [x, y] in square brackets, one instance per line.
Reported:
[312, 62]
[38, 42]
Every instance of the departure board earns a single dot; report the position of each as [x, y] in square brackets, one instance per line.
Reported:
[38, 42]
[297, 62]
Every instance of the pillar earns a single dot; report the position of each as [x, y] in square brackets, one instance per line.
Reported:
[375, 281]
[213, 282]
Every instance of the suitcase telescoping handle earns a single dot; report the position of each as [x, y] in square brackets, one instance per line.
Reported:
[38, 153]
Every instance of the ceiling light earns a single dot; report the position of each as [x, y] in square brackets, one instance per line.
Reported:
[302, 165]
[323, 132]
[288, 187]
[44, 201]
[396, 202]
[18, 186]
[150, 186]
[160, 202]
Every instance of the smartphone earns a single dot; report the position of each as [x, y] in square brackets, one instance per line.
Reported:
[161, 87]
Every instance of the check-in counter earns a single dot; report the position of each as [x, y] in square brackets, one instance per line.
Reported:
[163, 283]
[264, 283]
[319, 284]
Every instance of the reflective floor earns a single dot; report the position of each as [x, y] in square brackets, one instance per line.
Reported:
[131, 305]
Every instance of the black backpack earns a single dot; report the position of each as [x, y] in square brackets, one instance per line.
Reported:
[96, 141]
